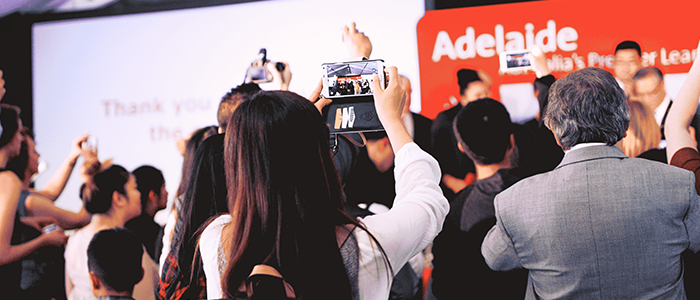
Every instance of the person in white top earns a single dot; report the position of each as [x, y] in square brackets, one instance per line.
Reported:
[286, 201]
[110, 194]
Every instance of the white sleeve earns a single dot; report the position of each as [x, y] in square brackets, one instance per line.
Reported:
[209, 245]
[414, 220]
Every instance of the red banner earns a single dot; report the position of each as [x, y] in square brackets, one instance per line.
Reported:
[573, 35]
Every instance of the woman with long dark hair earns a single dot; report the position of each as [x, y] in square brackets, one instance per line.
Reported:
[285, 202]
[204, 196]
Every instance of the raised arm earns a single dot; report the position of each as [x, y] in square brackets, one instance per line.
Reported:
[356, 42]
[57, 182]
[677, 130]
[389, 104]
[9, 196]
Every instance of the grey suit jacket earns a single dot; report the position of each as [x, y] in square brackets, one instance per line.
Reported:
[599, 226]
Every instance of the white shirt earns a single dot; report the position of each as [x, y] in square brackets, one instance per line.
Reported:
[415, 219]
[660, 111]
[584, 145]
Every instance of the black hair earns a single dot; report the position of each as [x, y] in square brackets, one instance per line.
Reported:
[19, 163]
[115, 255]
[483, 128]
[232, 99]
[9, 123]
[148, 179]
[190, 149]
[587, 106]
[281, 217]
[97, 192]
[631, 45]
[644, 72]
[465, 77]
[204, 197]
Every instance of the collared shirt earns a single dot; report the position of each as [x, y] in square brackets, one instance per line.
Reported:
[660, 111]
[584, 145]
[659, 114]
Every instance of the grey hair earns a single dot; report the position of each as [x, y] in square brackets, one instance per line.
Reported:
[587, 106]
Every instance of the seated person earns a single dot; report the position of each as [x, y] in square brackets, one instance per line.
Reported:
[486, 134]
[114, 261]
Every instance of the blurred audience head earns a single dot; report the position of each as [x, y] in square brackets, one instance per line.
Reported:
[10, 125]
[628, 59]
[643, 133]
[483, 130]
[110, 188]
[473, 85]
[151, 185]
[649, 86]
[26, 163]
[587, 106]
[114, 262]
[231, 100]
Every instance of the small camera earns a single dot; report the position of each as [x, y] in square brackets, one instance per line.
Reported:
[258, 72]
[349, 84]
[515, 60]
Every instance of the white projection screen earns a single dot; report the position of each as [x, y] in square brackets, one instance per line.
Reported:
[138, 82]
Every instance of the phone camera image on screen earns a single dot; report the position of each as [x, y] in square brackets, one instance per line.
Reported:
[515, 60]
[351, 78]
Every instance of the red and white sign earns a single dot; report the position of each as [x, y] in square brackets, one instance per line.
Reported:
[573, 35]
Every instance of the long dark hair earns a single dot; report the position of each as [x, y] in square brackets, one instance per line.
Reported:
[284, 196]
[190, 149]
[9, 123]
[205, 196]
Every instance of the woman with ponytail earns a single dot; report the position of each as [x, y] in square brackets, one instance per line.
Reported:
[110, 195]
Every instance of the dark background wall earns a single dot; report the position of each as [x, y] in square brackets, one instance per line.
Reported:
[16, 37]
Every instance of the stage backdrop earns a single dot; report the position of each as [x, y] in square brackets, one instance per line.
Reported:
[573, 34]
[138, 82]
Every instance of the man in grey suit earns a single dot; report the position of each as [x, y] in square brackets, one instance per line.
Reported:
[601, 225]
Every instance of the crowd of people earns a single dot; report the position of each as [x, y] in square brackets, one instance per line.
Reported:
[596, 197]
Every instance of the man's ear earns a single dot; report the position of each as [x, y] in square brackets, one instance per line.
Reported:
[153, 197]
[117, 198]
[96, 283]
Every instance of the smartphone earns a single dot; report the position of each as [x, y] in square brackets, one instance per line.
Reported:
[90, 143]
[352, 78]
[515, 60]
[48, 228]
